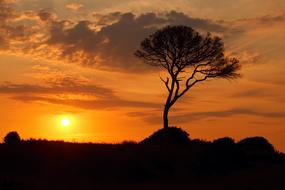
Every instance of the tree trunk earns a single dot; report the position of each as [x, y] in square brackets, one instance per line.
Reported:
[165, 116]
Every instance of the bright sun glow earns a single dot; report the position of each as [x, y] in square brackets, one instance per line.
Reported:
[65, 122]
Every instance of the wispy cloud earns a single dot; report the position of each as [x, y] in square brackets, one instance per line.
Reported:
[70, 92]
[190, 117]
[92, 104]
[59, 86]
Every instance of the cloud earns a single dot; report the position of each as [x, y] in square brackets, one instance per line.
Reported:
[190, 117]
[58, 86]
[106, 19]
[93, 104]
[70, 92]
[266, 20]
[17, 31]
[248, 57]
[7, 30]
[261, 93]
[256, 40]
[112, 46]
[231, 112]
[253, 93]
[177, 18]
[105, 41]
[108, 41]
[45, 15]
[74, 6]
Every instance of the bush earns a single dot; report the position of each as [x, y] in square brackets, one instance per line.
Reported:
[225, 141]
[12, 138]
[256, 144]
[222, 155]
[257, 148]
[129, 143]
[167, 136]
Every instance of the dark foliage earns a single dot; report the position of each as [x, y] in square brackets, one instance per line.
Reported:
[221, 164]
[12, 138]
[257, 148]
[225, 141]
[199, 142]
[222, 155]
[168, 136]
[256, 144]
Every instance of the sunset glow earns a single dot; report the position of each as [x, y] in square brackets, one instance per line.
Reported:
[142, 94]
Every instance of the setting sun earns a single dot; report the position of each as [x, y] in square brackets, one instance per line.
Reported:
[65, 122]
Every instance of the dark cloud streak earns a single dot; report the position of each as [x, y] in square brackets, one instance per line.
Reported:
[64, 86]
[190, 117]
[57, 92]
[91, 104]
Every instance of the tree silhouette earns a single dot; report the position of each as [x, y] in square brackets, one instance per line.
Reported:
[188, 57]
[12, 138]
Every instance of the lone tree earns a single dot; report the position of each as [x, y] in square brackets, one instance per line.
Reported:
[12, 138]
[188, 57]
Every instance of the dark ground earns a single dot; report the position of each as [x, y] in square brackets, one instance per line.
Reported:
[251, 164]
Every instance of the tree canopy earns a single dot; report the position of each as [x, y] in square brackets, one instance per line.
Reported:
[188, 57]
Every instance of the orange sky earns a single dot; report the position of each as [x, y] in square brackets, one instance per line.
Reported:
[75, 59]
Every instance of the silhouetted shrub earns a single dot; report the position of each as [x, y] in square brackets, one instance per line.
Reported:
[170, 135]
[256, 144]
[221, 155]
[12, 138]
[225, 141]
[129, 143]
[257, 148]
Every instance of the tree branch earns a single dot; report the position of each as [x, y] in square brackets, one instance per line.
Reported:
[187, 88]
[166, 83]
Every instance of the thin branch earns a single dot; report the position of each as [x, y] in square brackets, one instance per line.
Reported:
[187, 88]
[166, 83]
[177, 87]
